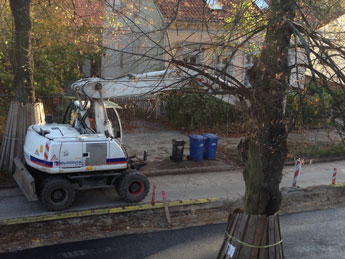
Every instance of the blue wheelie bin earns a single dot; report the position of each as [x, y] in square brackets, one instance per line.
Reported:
[211, 143]
[196, 147]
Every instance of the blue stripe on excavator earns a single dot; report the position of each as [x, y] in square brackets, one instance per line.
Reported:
[116, 161]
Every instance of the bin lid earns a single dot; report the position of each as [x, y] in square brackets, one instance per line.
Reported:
[210, 136]
[179, 141]
[197, 137]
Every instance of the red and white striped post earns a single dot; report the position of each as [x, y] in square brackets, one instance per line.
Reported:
[334, 178]
[298, 169]
[153, 195]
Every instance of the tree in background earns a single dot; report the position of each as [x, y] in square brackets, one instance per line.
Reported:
[271, 34]
[285, 45]
[23, 110]
[43, 45]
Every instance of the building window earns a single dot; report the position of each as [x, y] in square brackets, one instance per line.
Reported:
[224, 62]
[261, 4]
[116, 4]
[214, 4]
[191, 55]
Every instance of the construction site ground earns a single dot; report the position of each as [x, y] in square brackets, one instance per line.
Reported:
[141, 135]
[215, 188]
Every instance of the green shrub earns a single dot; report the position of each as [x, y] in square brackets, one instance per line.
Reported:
[315, 150]
[197, 111]
[312, 107]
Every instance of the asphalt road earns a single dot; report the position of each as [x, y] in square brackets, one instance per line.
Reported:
[317, 234]
[226, 184]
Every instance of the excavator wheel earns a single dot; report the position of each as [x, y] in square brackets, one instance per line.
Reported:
[134, 187]
[57, 193]
[118, 183]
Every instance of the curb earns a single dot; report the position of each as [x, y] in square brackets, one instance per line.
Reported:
[192, 170]
[294, 200]
[206, 169]
[318, 160]
[229, 168]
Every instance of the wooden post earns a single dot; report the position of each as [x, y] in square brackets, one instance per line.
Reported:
[167, 213]
[20, 117]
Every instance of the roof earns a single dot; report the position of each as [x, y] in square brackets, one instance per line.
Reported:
[89, 13]
[199, 10]
[192, 10]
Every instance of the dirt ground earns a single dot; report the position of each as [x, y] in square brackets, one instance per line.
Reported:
[156, 139]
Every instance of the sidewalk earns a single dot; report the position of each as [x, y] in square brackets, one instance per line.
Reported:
[227, 185]
[140, 136]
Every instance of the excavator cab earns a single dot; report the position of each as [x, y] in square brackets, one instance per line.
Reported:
[82, 116]
[114, 119]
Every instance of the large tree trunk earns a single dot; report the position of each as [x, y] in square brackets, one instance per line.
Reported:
[267, 144]
[23, 111]
[23, 77]
[267, 149]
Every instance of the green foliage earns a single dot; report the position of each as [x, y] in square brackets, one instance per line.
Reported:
[313, 106]
[6, 77]
[58, 45]
[315, 150]
[197, 111]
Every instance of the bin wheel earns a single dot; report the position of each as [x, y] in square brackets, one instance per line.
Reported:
[134, 187]
[57, 193]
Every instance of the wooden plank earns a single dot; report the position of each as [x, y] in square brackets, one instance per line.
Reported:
[19, 142]
[8, 140]
[279, 248]
[263, 252]
[258, 236]
[13, 136]
[5, 139]
[239, 232]
[167, 213]
[233, 220]
[280, 234]
[271, 239]
[222, 250]
[234, 223]
[234, 233]
[24, 180]
[248, 236]
[7, 132]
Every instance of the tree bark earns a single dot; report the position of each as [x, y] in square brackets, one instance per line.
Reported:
[23, 111]
[23, 76]
[267, 147]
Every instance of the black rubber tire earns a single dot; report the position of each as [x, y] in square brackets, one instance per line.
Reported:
[118, 183]
[57, 193]
[134, 187]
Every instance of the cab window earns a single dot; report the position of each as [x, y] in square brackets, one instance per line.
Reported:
[71, 115]
[114, 122]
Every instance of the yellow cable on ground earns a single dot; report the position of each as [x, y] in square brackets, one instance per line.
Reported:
[252, 246]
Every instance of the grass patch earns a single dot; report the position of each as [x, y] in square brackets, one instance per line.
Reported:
[315, 150]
